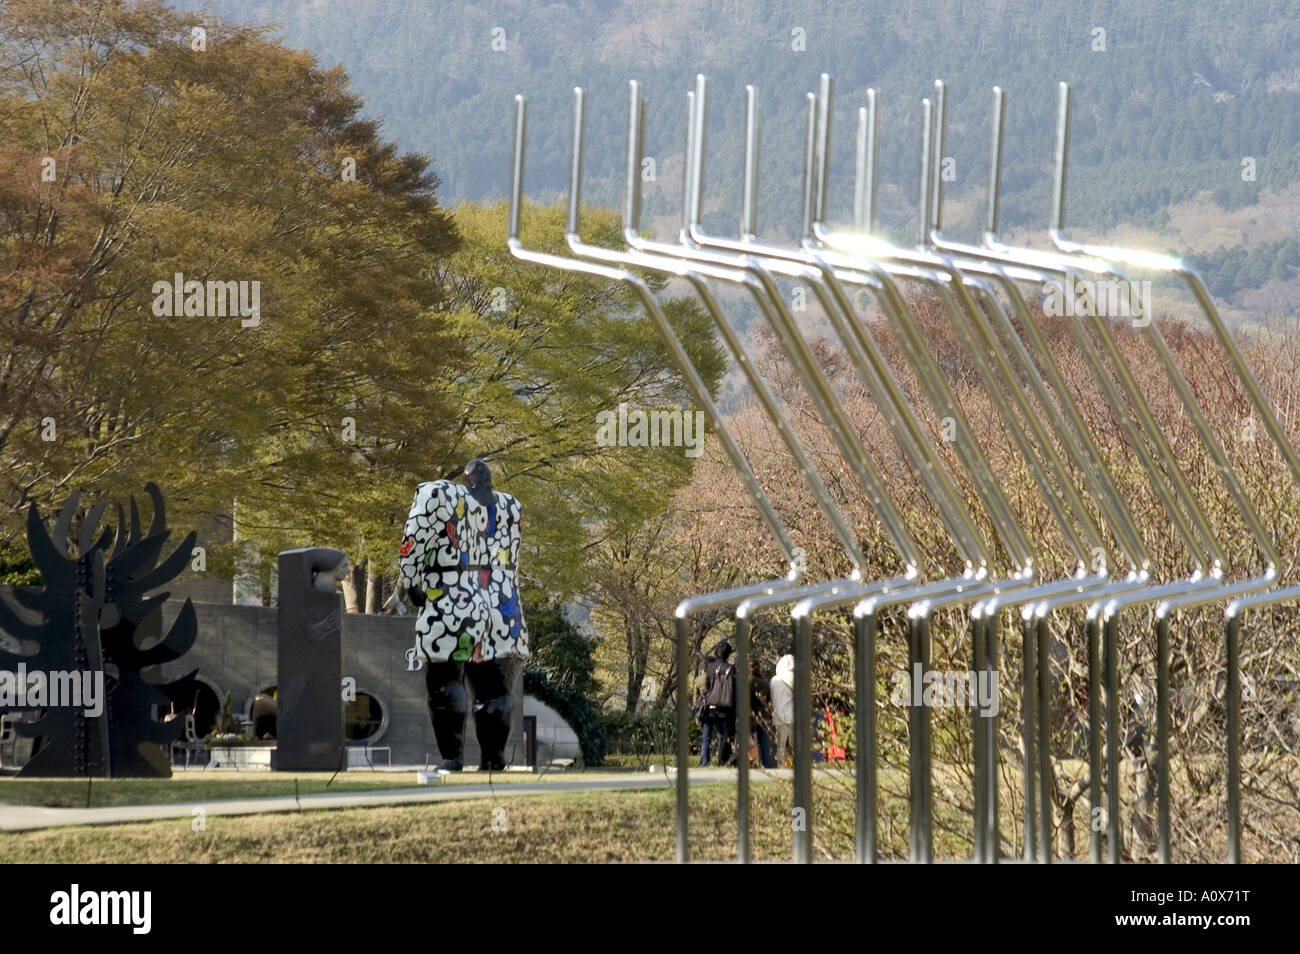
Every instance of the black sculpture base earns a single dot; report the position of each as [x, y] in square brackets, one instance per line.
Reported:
[98, 614]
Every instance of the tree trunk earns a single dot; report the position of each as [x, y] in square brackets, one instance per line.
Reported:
[1143, 817]
[374, 589]
[351, 591]
[637, 658]
[1065, 834]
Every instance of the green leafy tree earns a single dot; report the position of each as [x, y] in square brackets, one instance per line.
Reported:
[133, 156]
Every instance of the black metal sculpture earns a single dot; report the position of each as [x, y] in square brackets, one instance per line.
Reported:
[94, 614]
[309, 662]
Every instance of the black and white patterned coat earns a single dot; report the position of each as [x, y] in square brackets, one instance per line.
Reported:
[443, 550]
[464, 557]
[507, 631]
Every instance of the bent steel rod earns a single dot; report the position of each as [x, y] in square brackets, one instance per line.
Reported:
[1041, 629]
[984, 737]
[803, 836]
[773, 308]
[1088, 457]
[700, 393]
[1059, 406]
[1233, 615]
[823, 279]
[1166, 264]
[1243, 589]
[803, 826]
[696, 274]
[694, 383]
[982, 346]
[802, 632]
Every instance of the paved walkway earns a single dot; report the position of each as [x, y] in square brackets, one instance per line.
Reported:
[33, 817]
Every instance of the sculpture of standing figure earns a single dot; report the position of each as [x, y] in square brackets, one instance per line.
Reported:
[459, 564]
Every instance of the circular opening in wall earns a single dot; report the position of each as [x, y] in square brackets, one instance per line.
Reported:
[364, 719]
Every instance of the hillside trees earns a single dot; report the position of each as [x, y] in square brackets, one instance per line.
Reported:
[393, 342]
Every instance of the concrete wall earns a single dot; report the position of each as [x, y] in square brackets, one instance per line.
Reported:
[235, 653]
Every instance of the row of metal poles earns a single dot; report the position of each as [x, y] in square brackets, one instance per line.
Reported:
[981, 291]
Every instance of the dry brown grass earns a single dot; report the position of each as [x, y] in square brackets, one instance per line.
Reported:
[612, 827]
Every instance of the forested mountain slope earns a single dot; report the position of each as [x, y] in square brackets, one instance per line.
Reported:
[1170, 98]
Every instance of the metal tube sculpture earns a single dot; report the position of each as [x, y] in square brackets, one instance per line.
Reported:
[979, 288]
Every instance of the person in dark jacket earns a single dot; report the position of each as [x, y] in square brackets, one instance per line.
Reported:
[760, 709]
[718, 706]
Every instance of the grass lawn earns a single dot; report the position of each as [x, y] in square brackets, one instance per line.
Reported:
[206, 786]
[583, 826]
[564, 827]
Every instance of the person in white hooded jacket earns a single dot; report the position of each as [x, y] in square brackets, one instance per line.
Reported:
[783, 706]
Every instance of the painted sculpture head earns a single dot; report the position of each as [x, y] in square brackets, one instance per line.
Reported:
[478, 478]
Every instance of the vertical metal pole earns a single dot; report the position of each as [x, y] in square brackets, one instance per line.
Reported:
[993, 841]
[1061, 156]
[1045, 779]
[1094, 738]
[683, 737]
[1234, 740]
[995, 160]
[688, 173]
[918, 719]
[741, 747]
[749, 195]
[940, 119]
[864, 686]
[517, 166]
[864, 187]
[803, 819]
[821, 147]
[1029, 704]
[809, 163]
[927, 795]
[927, 129]
[1110, 630]
[1162, 739]
[978, 753]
